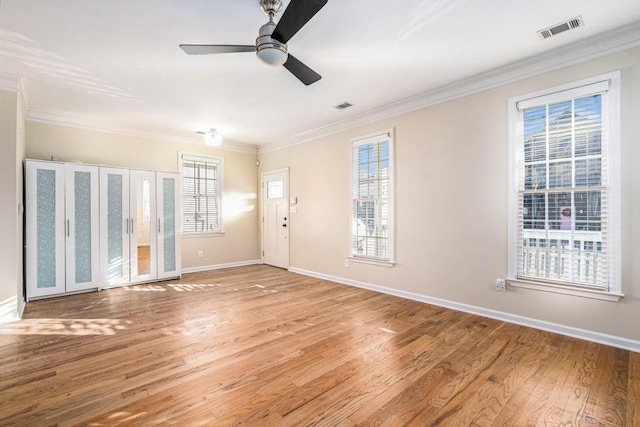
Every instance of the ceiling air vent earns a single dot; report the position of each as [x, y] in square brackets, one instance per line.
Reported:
[561, 27]
[343, 105]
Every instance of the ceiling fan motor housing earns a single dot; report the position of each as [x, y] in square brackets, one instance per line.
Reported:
[270, 51]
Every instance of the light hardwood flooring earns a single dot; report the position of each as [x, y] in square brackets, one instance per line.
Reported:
[144, 260]
[261, 346]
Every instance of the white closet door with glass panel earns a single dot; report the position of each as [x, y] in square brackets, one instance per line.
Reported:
[143, 238]
[168, 224]
[82, 227]
[115, 227]
[45, 228]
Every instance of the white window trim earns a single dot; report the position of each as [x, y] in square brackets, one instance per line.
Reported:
[392, 243]
[202, 157]
[614, 217]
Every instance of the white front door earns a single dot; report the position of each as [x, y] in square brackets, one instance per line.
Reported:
[275, 218]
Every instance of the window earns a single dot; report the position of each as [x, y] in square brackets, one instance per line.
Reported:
[565, 203]
[371, 198]
[201, 189]
[275, 189]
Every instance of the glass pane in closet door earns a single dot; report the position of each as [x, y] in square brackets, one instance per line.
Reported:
[115, 215]
[46, 223]
[82, 230]
[169, 223]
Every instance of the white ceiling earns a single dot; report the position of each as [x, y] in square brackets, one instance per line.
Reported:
[116, 64]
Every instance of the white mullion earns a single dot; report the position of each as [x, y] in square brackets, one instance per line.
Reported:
[572, 193]
[548, 180]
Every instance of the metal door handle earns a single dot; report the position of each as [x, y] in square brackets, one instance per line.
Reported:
[127, 221]
[68, 228]
[158, 225]
[284, 225]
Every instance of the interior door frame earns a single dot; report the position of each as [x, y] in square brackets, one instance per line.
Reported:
[263, 195]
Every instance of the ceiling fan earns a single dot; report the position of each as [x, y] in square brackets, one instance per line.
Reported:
[271, 44]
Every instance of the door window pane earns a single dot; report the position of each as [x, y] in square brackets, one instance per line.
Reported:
[275, 189]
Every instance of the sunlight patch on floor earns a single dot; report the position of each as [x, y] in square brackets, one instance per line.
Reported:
[146, 288]
[64, 327]
[118, 418]
[178, 287]
[189, 287]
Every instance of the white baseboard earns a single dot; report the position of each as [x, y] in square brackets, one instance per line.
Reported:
[21, 305]
[11, 310]
[611, 340]
[220, 266]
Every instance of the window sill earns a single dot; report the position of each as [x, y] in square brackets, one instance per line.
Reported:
[372, 261]
[566, 290]
[216, 234]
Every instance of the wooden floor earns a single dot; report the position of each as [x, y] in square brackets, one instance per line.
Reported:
[144, 260]
[260, 346]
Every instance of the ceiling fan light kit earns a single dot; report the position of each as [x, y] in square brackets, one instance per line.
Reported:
[271, 44]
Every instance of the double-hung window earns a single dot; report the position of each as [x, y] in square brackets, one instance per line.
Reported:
[565, 186]
[201, 190]
[372, 198]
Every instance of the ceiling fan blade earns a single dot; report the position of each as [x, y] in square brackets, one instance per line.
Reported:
[297, 14]
[305, 74]
[206, 49]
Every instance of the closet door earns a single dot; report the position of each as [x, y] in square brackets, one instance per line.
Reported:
[82, 227]
[115, 227]
[168, 225]
[45, 228]
[143, 238]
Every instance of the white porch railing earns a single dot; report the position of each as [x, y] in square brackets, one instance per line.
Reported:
[564, 256]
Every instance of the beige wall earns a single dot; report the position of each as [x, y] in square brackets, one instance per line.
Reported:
[452, 204]
[240, 211]
[11, 258]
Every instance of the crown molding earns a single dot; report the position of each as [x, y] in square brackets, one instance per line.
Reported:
[16, 84]
[9, 82]
[63, 118]
[614, 41]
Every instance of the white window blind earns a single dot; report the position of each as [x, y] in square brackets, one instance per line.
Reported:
[201, 189]
[371, 197]
[566, 200]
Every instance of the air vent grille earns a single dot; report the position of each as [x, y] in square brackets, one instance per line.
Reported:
[343, 105]
[561, 27]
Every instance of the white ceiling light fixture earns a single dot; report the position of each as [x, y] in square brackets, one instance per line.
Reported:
[211, 137]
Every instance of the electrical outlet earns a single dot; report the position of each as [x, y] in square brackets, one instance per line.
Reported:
[501, 285]
[200, 254]
[346, 262]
